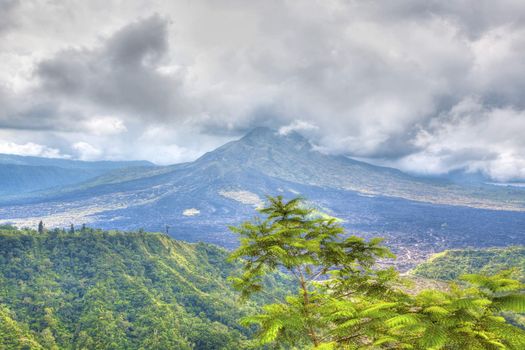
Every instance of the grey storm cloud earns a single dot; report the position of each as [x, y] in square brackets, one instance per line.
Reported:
[428, 87]
[6, 18]
[119, 74]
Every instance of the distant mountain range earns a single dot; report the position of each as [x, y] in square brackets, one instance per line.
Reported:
[197, 200]
[22, 174]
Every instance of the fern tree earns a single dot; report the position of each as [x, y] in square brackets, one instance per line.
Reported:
[312, 249]
[466, 317]
[344, 302]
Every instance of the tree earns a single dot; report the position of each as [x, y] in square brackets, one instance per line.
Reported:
[41, 227]
[310, 247]
[466, 317]
[344, 301]
[72, 229]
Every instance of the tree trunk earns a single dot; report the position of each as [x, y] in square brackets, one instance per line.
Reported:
[306, 305]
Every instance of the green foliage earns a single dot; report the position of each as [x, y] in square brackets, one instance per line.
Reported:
[312, 249]
[13, 335]
[451, 264]
[344, 301]
[464, 318]
[111, 290]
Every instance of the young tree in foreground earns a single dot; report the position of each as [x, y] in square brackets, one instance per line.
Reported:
[344, 301]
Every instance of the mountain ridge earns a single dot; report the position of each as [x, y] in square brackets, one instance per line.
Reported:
[23, 175]
[69, 163]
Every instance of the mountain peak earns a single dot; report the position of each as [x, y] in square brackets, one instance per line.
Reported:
[272, 136]
[256, 144]
[261, 132]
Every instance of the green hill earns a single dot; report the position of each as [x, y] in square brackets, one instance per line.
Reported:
[113, 290]
[450, 264]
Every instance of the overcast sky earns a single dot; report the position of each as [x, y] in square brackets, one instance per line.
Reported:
[425, 86]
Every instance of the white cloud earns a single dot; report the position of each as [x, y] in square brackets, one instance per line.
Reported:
[297, 125]
[30, 149]
[85, 151]
[105, 125]
[475, 137]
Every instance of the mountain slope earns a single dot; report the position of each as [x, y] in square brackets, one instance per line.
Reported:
[197, 200]
[69, 163]
[101, 290]
[20, 174]
[292, 158]
[17, 179]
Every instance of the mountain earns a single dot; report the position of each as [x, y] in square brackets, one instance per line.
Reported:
[95, 289]
[22, 174]
[292, 158]
[196, 201]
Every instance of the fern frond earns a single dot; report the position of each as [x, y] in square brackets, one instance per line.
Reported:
[404, 320]
[514, 302]
[434, 338]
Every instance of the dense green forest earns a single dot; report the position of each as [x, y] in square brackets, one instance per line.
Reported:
[93, 289]
[451, 264]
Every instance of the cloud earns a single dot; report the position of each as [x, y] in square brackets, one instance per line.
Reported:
[105, 125]
[7, 7]
[405, 83]
[30, 149]
[452, 141]
[121, 73]
[297, 125]
[86, 151]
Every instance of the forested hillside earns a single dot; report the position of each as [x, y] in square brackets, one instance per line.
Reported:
[451, 264]
[92, 289]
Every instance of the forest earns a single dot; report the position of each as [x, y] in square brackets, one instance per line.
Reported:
[93, 289]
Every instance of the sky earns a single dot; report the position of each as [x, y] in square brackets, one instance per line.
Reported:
[428, 87]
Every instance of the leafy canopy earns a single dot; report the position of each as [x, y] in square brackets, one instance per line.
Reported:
[345, 301]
